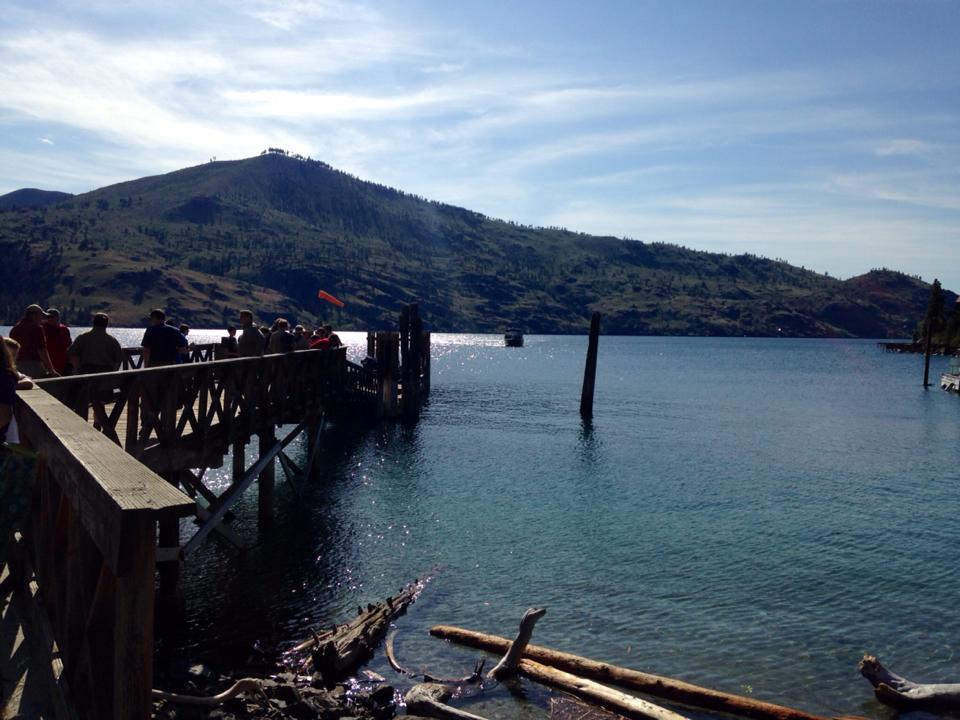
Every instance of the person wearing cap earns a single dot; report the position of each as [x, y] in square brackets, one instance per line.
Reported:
[96, 351]
[34, 360]
[58, 340]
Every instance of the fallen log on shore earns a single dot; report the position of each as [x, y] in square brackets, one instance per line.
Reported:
[903, 694]
[656, 685]
[605, 697]
[336, 653]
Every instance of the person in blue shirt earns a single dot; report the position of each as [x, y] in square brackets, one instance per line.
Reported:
[162, 344]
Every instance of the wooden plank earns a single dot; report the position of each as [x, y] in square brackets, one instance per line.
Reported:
[133, 627]
[104, 484]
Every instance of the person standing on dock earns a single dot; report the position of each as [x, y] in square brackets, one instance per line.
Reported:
[34, 358]
[96, 351]
[162, 344]
[281, 339]
[332, 336]
[58, 340]
[16, 462]
[250, 343]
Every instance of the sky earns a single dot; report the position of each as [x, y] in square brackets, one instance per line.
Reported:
[826, 134]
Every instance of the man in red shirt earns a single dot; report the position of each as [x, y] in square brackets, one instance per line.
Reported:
[58, 340]
[34, 360]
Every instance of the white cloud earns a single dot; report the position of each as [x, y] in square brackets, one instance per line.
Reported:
[903, 146]
[288, 14]
[46, 141]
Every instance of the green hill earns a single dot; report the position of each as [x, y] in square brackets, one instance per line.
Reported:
[31, 198]
[268, 232]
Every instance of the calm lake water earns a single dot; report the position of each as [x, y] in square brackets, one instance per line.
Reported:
[749, 514]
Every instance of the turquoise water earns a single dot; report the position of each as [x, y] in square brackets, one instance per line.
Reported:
[749, 514]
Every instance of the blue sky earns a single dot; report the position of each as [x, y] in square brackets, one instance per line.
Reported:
[823, 133]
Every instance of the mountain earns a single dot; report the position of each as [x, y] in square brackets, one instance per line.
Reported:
[268, 232]
[31, 198]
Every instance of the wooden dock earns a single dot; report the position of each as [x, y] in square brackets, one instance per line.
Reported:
[114, 451]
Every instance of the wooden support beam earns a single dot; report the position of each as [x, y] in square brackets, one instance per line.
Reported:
[133, 627]
[230, 496]
[239, 459]
[290, 471]
[267, 439]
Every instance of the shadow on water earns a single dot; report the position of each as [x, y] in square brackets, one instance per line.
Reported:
[241, 604]
[590, 444]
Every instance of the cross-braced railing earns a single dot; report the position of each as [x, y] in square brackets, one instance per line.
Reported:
[175, 416]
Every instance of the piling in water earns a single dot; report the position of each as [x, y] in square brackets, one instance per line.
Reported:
[590, 371]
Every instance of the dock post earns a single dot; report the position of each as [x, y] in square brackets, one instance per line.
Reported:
[405, 369]
[590, 371]
[926, 355]
[388, 355]
[412, 362]
[133, 620]
[267, 440]
[169, 537]
[426, 363]
[239, 458]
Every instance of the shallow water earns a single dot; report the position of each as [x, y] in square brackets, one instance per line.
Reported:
[750, 514]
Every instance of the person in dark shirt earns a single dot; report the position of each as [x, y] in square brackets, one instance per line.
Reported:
[251, 342]
[96, 351]
[161, 343]
[229, 346]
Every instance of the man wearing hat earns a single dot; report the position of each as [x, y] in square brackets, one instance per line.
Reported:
[34, 360]
[58, 340]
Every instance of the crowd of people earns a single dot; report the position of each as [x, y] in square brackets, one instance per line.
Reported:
[47, 349]
[41, 346]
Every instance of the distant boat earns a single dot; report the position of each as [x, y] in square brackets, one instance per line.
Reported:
[513, 338]
[951, 380]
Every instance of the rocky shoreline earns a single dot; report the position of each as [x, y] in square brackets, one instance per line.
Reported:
[281, 696]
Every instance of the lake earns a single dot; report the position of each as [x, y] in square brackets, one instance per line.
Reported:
[749, 514]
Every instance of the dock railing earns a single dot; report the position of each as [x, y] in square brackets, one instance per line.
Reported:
[90, 546]
[181, 415]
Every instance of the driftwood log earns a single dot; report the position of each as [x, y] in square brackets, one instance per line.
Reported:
[656, 685]
[605, 697]
[900, 693]
[508, 664]
[247, 686]
[430, 700]
[338, 652]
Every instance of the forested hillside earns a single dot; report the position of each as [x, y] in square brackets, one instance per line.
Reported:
[268, 232]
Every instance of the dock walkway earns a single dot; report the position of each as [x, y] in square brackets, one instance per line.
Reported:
[114, 451]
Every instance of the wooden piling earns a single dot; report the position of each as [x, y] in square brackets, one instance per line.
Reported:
[169, 537]
[412, 362]
[388, 357]
[268, 439]
[926, 354]
[239, 459]
[590, 371]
